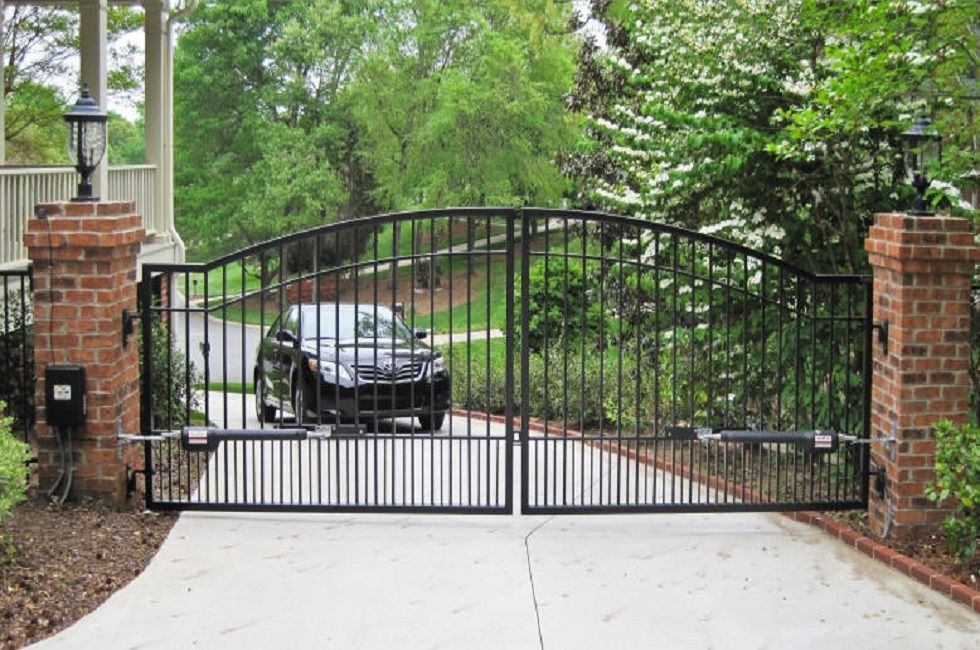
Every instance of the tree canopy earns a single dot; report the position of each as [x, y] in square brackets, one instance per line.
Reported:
[40, 44]
[300, 113]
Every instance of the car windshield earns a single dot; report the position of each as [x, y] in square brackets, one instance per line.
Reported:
[343, 322]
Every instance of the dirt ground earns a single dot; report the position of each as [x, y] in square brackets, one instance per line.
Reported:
[58, 564]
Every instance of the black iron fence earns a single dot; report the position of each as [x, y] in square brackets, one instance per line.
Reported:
[17, 349]
[633, 366]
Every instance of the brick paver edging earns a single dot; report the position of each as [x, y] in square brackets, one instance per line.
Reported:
[917, 570]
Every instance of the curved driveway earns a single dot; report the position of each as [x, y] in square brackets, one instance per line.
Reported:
[238, 339]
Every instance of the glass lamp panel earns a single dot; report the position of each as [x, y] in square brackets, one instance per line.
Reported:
[912, 162]
[72, 144]
[94, 142]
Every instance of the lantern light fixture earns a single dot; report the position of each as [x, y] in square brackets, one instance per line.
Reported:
[86, 140]
[923, 146]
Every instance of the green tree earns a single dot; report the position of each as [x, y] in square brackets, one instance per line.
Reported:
[126, 142]
[39, 45]
[266, 142]
[463, 103]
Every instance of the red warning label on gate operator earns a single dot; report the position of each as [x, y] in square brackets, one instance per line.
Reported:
[197, 437]
[823, 441]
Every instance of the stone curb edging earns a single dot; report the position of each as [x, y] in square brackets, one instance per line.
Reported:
[918, 571]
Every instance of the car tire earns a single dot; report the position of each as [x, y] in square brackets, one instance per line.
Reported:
[263, 412]
[433, 421]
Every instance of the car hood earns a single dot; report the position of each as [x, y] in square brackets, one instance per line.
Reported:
[365, 351]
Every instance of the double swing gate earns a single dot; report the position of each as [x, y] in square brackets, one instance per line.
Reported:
[464, 360]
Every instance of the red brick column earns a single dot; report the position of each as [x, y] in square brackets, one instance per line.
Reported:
[922, 268]
[84, 257]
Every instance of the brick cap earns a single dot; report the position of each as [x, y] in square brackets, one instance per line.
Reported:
[86, 231]
[922, 244]
[934, 223]
[85, 208]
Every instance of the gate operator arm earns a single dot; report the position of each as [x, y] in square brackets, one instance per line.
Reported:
[65, 407]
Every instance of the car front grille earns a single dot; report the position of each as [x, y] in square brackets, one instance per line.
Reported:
[404, 371]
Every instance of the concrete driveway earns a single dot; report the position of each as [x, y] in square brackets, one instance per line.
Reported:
[376, 581]
[454, 581]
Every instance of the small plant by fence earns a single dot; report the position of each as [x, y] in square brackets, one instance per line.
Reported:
[17, 349]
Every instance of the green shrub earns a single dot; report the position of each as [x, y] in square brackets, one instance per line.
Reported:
[479, 385]
[561, 305]
[482, 385]
[958, 478]
[174, 379]
[574, 393]
[13, 470]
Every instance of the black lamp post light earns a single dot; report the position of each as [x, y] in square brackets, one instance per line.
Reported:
[922, 147]
[86, 141]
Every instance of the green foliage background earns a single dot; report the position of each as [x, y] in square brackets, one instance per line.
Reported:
[958, 480]
[13, 468]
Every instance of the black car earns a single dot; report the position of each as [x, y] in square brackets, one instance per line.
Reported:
[341, 363]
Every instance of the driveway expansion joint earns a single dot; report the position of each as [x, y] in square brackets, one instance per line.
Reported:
[530, 574]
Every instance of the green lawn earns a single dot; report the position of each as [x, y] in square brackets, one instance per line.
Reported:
[476, 315]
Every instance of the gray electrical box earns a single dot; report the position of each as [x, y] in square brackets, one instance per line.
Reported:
[64, 395]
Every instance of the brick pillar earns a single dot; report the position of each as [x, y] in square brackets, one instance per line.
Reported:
[84, 257]
[922, 268]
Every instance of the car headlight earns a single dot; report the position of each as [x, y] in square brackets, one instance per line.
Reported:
[330, 370]
[437, 365]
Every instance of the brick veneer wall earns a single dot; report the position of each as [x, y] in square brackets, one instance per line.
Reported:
[923, 268]
[84, 257]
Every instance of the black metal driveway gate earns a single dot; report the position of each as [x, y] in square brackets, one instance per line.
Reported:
[396, 363]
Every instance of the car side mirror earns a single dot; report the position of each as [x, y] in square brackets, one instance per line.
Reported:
[421, 334]
[285, 336]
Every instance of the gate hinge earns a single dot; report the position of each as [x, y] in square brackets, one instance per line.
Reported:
[882, 328]
[128, 326]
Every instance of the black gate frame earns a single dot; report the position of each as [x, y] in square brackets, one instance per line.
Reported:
[517, 413]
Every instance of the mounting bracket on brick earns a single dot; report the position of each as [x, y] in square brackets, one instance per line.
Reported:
[882, 328]
[128, 324]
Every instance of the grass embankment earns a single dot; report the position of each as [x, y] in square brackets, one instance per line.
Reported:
[486, 307]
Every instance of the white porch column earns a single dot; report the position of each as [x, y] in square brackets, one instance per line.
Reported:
[156, 100]
[94, 68]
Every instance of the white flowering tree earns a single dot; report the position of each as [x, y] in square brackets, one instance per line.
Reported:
[774, 123]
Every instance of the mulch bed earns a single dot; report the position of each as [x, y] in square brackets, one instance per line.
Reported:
[57, 564]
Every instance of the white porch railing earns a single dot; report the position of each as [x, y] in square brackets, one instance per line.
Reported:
[21, 188]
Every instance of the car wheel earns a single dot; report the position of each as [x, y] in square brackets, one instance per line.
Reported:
[433, 421]
[264, 412]
[298, 409]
